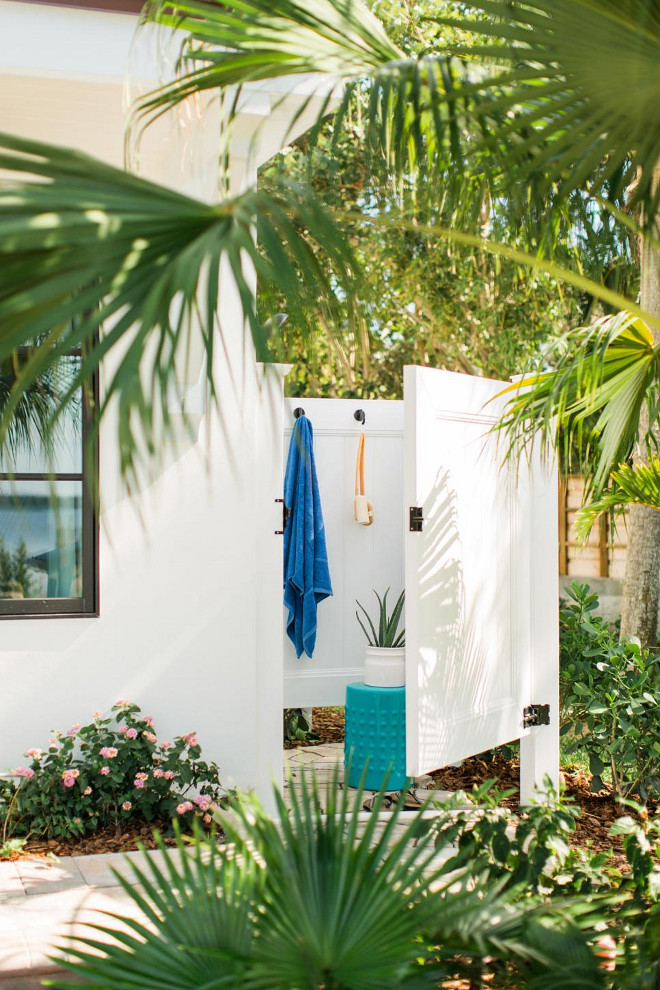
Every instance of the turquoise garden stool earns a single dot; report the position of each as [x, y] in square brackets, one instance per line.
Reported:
[376, 730]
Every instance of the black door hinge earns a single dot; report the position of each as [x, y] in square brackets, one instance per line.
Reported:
[285, 517]
[416, 519]
[536, 715]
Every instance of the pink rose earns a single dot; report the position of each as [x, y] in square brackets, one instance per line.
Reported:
[166, 745]
[169, 775]
[68, 781]
[123, 729]
[88, 790]
[203, 802]
[36, 753]
[109, 752]
[138, 783]
[96, 715]
[71, 773]
[126, 806]
[606, 952]
[207, 819]
[121, 703]
[26, 772]
[131, 733]
[183, 807]
[149, 736]
[74, 728]
[158, 772]
[149, 719]
[104, 771]
[190, 739]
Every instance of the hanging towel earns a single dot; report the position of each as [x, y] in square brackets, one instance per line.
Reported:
[363, 510]
[306, 573]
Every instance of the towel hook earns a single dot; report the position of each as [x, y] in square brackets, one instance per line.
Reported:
[298, 412]
[360, 416]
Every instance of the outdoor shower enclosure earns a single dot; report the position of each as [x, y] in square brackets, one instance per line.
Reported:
[474, 542]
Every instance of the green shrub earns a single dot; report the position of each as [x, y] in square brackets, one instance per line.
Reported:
[329, 901]
[112, 771]
[296, 726]
[533, 850]
[610, 699]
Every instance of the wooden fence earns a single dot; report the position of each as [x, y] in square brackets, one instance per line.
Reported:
[605, 553]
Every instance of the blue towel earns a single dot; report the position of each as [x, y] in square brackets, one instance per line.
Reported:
[306, 574]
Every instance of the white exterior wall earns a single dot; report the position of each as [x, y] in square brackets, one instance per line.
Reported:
[185, 629]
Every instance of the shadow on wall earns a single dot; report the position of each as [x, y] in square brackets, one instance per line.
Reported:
[467, 659]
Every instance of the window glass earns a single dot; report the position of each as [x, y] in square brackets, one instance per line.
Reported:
[41, 532]
[48, 532]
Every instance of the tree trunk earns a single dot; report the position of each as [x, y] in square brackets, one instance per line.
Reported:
[641, 583]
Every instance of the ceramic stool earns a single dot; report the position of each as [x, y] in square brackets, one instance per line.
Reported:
[376, 730]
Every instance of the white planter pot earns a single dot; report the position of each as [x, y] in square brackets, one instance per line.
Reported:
[384, 667]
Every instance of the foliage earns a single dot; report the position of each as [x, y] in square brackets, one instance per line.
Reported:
[8, 847]
[99, 247]
[296, 726]
[603, 377]
[610, 698]
[533, 851]
[637, 484]
[14, 570]
[451, 113]
[112, 771]
[385, 632]
[324, 900]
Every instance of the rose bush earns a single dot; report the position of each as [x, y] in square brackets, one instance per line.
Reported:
[110, 772]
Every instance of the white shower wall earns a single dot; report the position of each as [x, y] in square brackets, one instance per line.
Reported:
[361, 558]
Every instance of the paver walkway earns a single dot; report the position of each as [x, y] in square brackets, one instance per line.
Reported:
[42, 899]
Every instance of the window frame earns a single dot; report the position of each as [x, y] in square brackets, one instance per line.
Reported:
[86, 606]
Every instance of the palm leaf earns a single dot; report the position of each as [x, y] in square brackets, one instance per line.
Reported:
[88, 246]
[603, 377]
[578, 91]
[572, 98]
[629, 485]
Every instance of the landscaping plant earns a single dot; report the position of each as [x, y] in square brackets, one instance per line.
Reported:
[328, 901]
[113, 771]
[296, 726]
[384, 632]
[610, 699]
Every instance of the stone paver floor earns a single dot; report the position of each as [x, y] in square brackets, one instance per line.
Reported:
[42, 899]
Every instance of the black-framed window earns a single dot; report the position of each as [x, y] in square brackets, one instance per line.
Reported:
[48, 528]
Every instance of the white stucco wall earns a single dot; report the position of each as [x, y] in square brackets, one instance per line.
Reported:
[190, 568]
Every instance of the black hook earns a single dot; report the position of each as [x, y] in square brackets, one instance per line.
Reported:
[298, 412]
[360, 416]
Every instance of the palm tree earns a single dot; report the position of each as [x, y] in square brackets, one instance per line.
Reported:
[540, 101]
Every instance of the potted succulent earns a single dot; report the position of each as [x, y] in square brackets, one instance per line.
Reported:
[384, 663]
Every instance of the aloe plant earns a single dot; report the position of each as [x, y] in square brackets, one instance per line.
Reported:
[385, 634]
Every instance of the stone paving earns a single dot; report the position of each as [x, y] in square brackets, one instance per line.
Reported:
[42, 899]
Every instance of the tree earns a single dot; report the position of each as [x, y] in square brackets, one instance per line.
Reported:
[532, 102]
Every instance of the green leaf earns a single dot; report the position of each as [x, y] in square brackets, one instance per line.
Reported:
[89, 246]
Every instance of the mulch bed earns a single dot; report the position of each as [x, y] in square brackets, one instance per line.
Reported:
[597, 811]
[102, 840]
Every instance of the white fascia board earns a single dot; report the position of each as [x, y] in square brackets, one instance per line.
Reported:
[46, 40]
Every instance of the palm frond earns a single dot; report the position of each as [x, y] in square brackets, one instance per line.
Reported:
[574, 97]
[602, 377]
[97, 259]
[562, 94]
[246, 41]
[637, 484]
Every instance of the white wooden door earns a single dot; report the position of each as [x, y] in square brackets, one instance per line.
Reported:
[481, 579]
